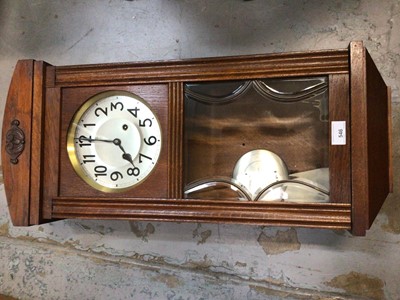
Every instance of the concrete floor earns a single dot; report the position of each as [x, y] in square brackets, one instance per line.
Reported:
[77, 259]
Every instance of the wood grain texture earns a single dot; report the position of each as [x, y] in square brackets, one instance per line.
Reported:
[175, 136]
[17, 177]
[378, 139]
[51, 150]
[359, 133]
[339, 155]
[390, 136]
[312, 63]
[37, 142]
[370, 139]
[332, 216]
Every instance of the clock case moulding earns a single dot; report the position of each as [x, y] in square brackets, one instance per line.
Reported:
[42, 186]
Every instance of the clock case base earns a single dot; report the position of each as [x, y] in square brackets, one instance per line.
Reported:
[41, 186]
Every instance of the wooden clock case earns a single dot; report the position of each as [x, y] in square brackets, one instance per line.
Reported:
[41, 184]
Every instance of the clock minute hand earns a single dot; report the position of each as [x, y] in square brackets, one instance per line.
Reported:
[116, 142]
[94, 140]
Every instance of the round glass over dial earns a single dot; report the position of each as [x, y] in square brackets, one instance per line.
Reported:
[114, 141]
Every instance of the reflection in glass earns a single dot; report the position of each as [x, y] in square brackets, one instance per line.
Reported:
[258, 140]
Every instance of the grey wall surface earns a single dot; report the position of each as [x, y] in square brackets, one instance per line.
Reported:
[81, 259]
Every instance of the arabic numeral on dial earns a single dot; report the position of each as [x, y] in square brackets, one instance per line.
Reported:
[116, 175]
[145, 122]
[100, 110]
[134, 111]
[90, 158]
[84, 141]
[143, 156]
[152, 140]
[135, 171]
[114, 106]
[100, 171]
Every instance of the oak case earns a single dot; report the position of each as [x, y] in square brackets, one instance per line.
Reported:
[42, 185]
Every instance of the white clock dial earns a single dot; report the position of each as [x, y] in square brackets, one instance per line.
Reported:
[114, 141]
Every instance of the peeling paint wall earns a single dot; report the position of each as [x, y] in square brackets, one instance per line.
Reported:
[282, 242]
[86, 259]
[359, 284]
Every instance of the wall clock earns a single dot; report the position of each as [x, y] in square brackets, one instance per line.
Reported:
[286, 139]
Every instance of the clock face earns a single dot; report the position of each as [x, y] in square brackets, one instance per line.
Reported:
[114, 141]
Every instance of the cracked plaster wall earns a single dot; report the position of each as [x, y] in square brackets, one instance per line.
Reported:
[81, 259]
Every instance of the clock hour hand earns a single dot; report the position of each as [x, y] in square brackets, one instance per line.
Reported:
[125, 155]
[128, 157]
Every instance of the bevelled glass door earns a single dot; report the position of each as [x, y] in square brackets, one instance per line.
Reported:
[257, 140]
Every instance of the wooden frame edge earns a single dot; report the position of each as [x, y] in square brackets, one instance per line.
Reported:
[39, 69]
[312, 63]
[359, 145]
[390, 137]
[318, 215]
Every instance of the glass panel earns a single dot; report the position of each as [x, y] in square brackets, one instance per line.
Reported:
[258, 140]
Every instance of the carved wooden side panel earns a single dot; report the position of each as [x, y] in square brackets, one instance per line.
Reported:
[15, 141]
[16, 138]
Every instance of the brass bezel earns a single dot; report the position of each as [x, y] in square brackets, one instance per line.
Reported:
[71, 137]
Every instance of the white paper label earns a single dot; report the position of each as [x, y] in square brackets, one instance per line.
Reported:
[338, 133]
